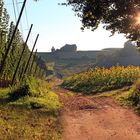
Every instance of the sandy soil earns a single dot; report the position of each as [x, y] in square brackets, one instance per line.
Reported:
[85, 118]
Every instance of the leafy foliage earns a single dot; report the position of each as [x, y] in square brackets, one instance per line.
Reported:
[102, 79]
[33, 93]
[116, 15]
[39, 66]
[4, 20]
[29, 87]
[131, 98]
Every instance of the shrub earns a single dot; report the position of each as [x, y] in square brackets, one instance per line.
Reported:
[49, 102]
[34, 93]
[29, 87]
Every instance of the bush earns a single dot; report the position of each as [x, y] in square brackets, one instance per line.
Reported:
[29, 87]
[34, 93]
[49, 102]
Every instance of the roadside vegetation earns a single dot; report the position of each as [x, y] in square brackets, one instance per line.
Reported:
[102, 79]
[122, 83]
[29, 111]
[131, 98]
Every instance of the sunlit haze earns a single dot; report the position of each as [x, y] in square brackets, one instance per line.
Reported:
[58, 25]
[138, 19]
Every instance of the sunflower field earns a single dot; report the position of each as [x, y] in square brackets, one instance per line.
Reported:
[102, 79]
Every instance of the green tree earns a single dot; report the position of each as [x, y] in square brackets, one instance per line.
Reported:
[122, 16]
[4, 20]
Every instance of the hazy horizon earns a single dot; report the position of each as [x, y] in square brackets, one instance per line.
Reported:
[85, 49]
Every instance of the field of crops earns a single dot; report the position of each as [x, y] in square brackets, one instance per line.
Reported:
[102, 79]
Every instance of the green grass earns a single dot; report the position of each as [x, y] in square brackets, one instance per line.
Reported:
[69, 93]
[131, 98]
[34, 94]
[50, 102]
[4, 93]
[124, 99]
[29, 111]
[21, 123]
[112, 93]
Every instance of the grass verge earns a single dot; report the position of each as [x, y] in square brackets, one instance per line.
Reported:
[131, 98]
[29, 111]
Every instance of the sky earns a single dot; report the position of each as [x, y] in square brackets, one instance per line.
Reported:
[57, 25]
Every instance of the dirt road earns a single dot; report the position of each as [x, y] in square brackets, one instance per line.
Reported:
[85, 118]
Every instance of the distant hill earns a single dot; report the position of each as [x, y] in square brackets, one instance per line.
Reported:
[111, 49]
[68, 60]
[123, 57]
[68, 52]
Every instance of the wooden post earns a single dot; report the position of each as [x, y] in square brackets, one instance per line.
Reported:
[27, 65]
[21, 55]
[21, 73]
[33, 60]
[35, 70]
[37, 65]
[11, 40]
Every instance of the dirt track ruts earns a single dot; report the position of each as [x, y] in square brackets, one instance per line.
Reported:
[85, 118]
